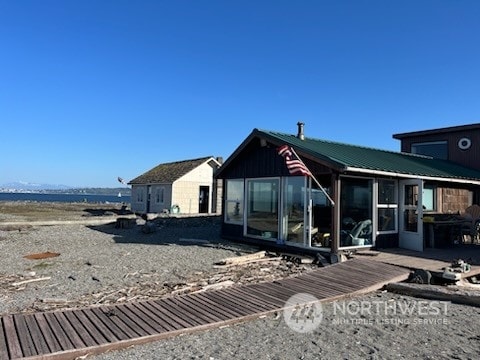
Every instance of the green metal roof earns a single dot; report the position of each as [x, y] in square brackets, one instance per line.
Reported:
[352, 157]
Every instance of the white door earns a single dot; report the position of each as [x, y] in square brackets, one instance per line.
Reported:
[411, 214]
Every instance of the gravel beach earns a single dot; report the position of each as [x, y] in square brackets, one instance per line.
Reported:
[103, 264]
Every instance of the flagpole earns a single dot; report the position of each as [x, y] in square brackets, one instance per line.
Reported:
[314, 179]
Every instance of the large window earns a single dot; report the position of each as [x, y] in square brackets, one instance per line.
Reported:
[262, 208]
[436, 149]
[356, 212]
[387, 205]
[294, 208]
[234, 201]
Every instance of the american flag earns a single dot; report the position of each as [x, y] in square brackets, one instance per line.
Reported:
[294, 164]
[120, 180]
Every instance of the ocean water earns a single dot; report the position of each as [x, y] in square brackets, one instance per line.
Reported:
[64, 198]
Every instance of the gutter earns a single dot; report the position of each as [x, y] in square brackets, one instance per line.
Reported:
[410, 176]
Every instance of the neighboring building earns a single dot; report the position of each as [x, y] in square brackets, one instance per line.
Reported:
[379, 196]
[460, 144]
[186, 187]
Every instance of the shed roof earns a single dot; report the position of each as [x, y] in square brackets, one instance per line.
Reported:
[169, 172]
[353, 158]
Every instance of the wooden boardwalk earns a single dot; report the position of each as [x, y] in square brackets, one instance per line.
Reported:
[67, 334]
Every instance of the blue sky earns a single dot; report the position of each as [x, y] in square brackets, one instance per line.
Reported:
[92, 90]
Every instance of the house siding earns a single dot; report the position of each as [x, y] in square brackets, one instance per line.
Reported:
[186, 190]
[160, 207]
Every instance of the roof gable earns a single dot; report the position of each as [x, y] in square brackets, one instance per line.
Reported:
[170, 172]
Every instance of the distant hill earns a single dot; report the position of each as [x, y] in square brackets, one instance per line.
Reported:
[21, 186]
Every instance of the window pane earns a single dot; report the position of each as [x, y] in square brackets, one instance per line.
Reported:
[437, 149]
[234, 201]
[429, 199]
[386, 192]
[386, 219]
[234, 189]
[234, 211]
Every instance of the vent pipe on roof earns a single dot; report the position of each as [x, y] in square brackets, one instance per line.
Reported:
[300, 134]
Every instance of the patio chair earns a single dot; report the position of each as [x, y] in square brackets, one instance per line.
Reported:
[471, 226]
[361, 233]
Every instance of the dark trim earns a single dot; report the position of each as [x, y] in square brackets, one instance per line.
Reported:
[437, 131]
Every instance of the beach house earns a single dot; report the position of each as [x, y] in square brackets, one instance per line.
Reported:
[357, 197]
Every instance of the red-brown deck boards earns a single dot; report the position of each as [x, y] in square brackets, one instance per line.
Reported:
[213, 306]
[68, 334]
[156, 322]
[190, 317]
[206, 315]
[163, 309]
[131, 319]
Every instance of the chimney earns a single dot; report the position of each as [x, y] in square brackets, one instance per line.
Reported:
[300, 134]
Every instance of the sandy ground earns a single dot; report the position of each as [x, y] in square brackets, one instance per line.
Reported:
[104, 264]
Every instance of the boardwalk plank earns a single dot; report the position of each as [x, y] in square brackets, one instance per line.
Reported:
[132, 329]
[188, 316]
[90, 327]
[3, 343]
[245, 293]
[113, 326]
[80, 329]
[48, 335]
[26, 342]
[162, 307]
[239, 311]
[66, 328]
[205, 308]
[212, 305]
[11, 335]
[137, 315]
[38, 339]
[247, 303]
[207, 316]
[151, 314]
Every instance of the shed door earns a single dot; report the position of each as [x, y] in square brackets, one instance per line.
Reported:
[411, 214]
[203, 199]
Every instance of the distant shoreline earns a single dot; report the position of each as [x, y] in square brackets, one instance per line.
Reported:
[64, 197]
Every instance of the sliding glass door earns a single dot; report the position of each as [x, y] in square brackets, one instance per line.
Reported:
[262, 208]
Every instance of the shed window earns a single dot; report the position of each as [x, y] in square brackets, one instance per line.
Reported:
[160, 195]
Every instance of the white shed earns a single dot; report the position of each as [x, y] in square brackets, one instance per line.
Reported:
[186, 187]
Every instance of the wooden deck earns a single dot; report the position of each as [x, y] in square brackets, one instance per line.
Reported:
[69, 334]
[433, 260]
